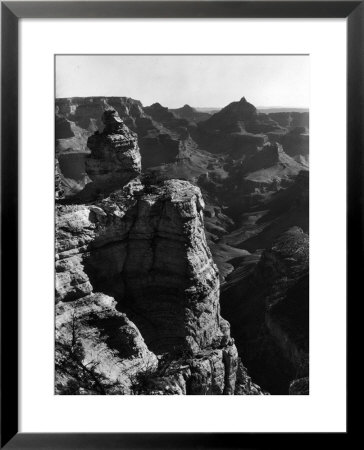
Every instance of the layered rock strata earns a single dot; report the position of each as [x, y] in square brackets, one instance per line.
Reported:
[140, 251]
[147, 247]
[240, 116]
[190, 114]
[114, 159]
[252, 169]
[267, 303]
[98, 349]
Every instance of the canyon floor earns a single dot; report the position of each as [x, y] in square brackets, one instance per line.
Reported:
[182, 249]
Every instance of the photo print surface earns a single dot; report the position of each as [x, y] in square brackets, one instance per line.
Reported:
[182, 224]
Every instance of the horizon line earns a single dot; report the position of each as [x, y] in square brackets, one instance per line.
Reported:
[206, 107]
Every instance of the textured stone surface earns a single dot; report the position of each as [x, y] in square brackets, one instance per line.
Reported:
[291, 119]
[146, 246]
[239, 116]
[98, 349]
[190, 114]
[114, 159]
[59, 191]
[155, 245]
[267, 303]
[299, 387]
[143, 243]
[157, 143]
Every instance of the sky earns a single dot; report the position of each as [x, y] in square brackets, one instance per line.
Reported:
[197, 80]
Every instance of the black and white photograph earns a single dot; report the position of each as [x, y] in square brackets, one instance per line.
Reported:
[182, 224]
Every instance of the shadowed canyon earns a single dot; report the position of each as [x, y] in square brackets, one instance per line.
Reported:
[182, 249]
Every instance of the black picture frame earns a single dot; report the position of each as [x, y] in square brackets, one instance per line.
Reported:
[11, 12]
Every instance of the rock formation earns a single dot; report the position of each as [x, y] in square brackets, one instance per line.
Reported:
[301, 386]
[63, 128]
[158, 144]
[149, 250]
[240, 116]
[59, 191]
[144, 246]
[266, 301]
[295, 143]
[291, 119]
[190, 114]
[164, 116]
[99, 351]
[147, 241]
[114, 159]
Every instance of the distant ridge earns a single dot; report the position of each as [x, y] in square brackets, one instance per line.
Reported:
[207, 109]
[275, 109]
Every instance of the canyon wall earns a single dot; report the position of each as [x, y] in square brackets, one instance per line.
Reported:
[137, 290]
[130, 185]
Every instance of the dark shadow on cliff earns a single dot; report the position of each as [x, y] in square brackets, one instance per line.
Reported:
[267, 304]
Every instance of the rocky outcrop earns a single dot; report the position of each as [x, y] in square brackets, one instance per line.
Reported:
[287, 305]
[63, 128]
[151, 247]
[235, 117]
[144, 246]
[98, 349]
[237, 130]
[147, 247]
[158, 144]
[142, 243]
[86, 112]
[267, 305]
[287, 207]
[190, 114]
[59, 191]
[291, 119]
[273, 160]
[299, 387]
[114, 159]
[295, 143]
[164, 116]
[113, 151]
[240, 116]
[261, 188]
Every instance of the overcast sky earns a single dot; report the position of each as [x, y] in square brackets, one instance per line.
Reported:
[197, 80]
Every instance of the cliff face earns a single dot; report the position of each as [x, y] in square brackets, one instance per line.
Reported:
[152, 249]
[59, 192]
[240, 116]
[150, 252]
[285, 269]
[145, 247]
[139, 240]
[190, 114]
[164, 116]
[266, 301]
[99, 351]
[291, 119]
